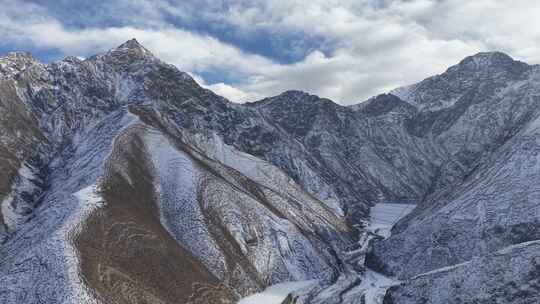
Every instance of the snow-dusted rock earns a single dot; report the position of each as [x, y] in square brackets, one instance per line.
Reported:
[510, 275]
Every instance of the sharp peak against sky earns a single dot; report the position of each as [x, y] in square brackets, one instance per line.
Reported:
[344, 50]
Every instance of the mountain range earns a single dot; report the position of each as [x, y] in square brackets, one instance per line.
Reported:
[124, 181]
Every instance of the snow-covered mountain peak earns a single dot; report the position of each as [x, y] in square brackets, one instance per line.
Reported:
[489, 64]
[72, 59]
[133, 48]
[290, 96]
[484, 59]
[295, 93]
[131, 44]
[295, 101]
[17, 56]
[129, 55]
[383, 104]
[488, 71]
[15, 62]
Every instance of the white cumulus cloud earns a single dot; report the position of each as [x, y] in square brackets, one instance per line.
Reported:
[356, 48]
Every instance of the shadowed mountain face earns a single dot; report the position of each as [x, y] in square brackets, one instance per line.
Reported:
[123, 181]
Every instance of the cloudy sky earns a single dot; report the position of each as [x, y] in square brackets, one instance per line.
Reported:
[346, 50]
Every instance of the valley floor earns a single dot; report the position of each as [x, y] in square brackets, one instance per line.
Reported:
[275, 294]
[373, 285]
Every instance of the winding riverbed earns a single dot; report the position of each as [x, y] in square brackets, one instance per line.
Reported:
[373, 285]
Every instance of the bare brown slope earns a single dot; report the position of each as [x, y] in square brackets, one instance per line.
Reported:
[19, 135]
[126, 254]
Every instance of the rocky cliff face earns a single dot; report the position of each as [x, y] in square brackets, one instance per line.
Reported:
[127, 182]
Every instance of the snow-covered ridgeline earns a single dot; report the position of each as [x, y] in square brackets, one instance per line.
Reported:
[41, 254]
[176, 179]
[191, 188]
[89, 201]
[259, 170]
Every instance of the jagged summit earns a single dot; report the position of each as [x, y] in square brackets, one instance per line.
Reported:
[129, 54]
[492, 70]
[490, 62]
[289, 96]
[133, 47]
[18, 55]
[296, 99]
[383, 104]
[72, 59]
[488, 58]
[295, 93]
[131, 44]
[292, 95]
[15, 62]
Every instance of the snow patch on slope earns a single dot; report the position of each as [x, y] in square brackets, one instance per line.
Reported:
[277, 293]
[89, 201]
[385, 215]
[176, 182]
[374, 286]
[13, 212]
[260, 171]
